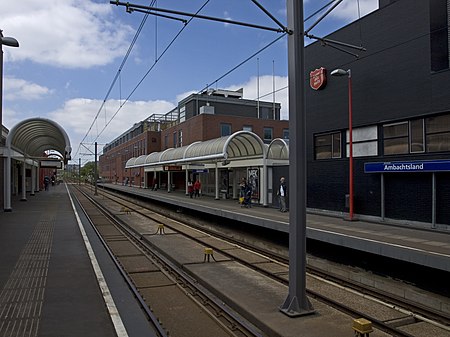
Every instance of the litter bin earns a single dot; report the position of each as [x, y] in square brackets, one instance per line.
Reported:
[224, 194]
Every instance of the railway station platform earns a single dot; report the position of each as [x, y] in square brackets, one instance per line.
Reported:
[430, 248]
[48, 285]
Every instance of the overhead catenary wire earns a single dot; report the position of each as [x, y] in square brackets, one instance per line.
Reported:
[121, 104]
[118, 73]
[149, 70]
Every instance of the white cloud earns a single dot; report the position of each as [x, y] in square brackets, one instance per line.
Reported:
[19, 89]
[10, 117]
[348, 10]
[266, 89]
[69, 33]
[77, 114]
[185, 94]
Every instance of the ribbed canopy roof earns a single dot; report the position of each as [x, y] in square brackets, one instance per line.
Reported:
[34, 136]
[278, 149]
[239, 145]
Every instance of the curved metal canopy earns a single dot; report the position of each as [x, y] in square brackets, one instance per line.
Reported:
[278, 149]
[239, 145]
[34, 136]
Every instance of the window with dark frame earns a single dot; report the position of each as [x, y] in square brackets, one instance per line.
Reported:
[396, 138]
[225, 129]
[417, 136]
[438, 133]
[327, 146]
[180, 138]
[268, 134]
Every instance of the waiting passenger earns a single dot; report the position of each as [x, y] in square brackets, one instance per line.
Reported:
[197, 188]
[46, 182]
[190, 188]
[247, 202]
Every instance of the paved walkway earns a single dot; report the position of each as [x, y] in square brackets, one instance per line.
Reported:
[47, 281]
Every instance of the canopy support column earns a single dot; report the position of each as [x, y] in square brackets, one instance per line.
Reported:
[7, 189]
[264, 181]
[186, 179]
[169, 181]
[24, 181]
[33, 178]
[216, 188]
[235, 184]
[145, 179]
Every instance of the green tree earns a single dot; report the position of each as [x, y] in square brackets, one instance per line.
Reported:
[87, 171]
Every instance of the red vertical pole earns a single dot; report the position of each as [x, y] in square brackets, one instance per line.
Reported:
[350, 131]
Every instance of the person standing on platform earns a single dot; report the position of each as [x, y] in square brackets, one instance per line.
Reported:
[46, 182]
[190, 188]
[197, 188]
[282, 193]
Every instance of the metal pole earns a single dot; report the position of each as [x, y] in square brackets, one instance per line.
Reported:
[24, 180]
[257, 86]
[95, 170]
[79, 171]
[350, 132]
[297, 303]
[383, 210]
[433, 201]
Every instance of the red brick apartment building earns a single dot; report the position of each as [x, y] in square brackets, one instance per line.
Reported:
[199, 117]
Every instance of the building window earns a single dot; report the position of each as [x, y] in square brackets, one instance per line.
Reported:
[364, 141]
[182, 114]
[285, 133]
[247, 128]
[438, 133]
[417, 136]
[174, 139]
[395, 138]
[180, 138]
[327, 146]
[225, 129]
[268, 135]
[404, 137]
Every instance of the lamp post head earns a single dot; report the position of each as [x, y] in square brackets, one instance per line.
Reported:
[341, 72]
[10, 42]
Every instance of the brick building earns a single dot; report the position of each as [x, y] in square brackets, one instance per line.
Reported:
[199, 117]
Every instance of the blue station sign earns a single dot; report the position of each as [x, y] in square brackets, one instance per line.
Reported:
[408, 166]
[200, 171]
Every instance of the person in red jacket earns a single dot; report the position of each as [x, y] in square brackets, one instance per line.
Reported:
[197, 188]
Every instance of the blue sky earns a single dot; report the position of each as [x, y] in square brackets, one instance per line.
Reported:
[71, 50]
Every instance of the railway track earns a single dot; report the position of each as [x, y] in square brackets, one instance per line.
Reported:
[386, 313]
[164, 291]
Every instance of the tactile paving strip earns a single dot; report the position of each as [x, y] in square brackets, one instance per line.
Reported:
[22, 297]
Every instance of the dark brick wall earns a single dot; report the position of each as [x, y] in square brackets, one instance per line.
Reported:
[391, 81]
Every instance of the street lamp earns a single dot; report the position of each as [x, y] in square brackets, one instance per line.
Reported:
[348, 73]
[10, 42]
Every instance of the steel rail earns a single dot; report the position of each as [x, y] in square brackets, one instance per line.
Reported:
[399, 302]
[235, 319]
[153, 319]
